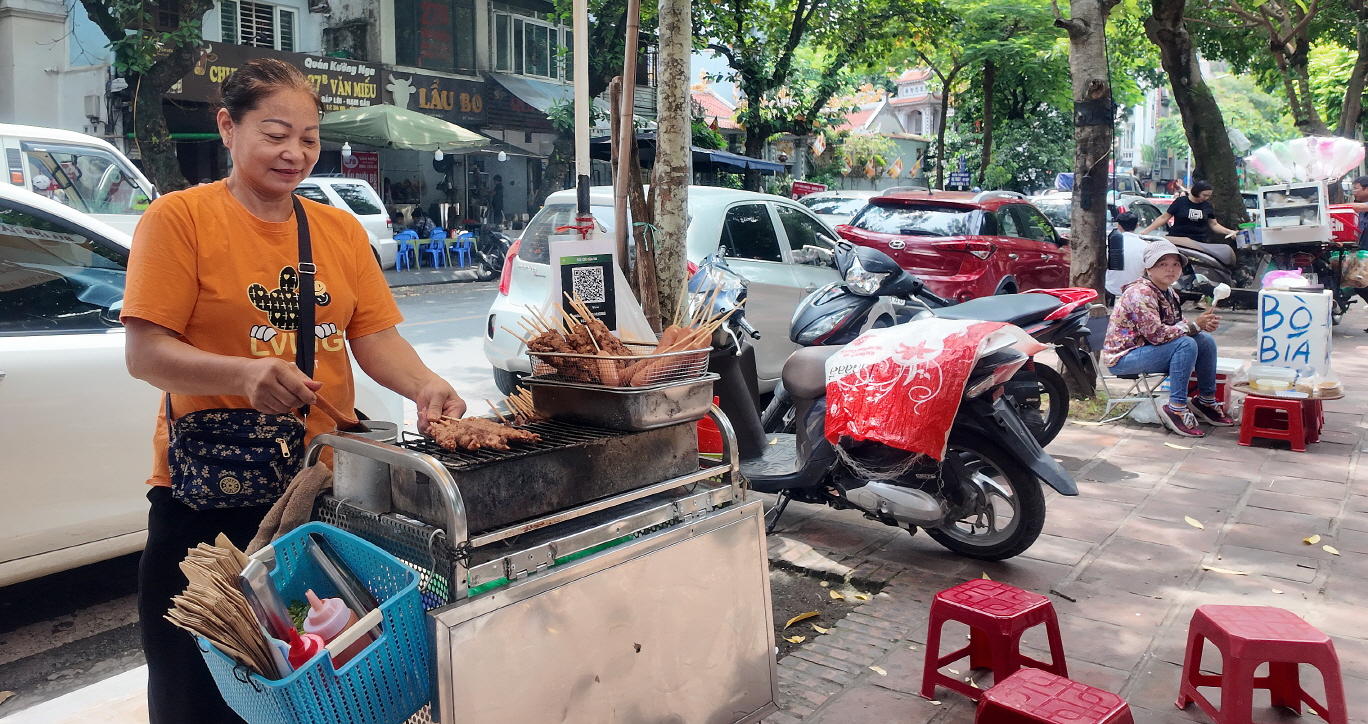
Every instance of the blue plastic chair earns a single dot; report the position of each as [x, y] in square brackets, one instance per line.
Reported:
[464, 246]
[405, 250]
[436, 248]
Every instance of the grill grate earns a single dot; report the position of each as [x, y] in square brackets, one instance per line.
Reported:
[555, 435]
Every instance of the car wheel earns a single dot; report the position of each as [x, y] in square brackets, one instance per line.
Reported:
[506, 381]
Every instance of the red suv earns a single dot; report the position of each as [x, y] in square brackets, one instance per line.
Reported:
[965, 245]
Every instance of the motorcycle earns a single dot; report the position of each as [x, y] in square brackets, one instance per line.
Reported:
[982, 500]
[876, 292]
[490, 249]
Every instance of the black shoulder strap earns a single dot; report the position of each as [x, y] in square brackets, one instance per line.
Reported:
[304, 356]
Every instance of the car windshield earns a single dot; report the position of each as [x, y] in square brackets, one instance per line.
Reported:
[53, 279]
[920, 220]
[1056, 210]
[85, 178]
[834, 205]
[536, 237]
[362, 200]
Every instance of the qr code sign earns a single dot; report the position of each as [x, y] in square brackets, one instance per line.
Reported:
[587, 284]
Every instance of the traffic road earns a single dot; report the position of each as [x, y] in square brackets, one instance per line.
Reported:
[68, 630]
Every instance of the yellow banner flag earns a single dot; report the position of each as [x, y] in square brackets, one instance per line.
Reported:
[818, 145]
[895, 170]
[870, 170]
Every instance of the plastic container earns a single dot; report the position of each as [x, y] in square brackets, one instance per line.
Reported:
[327, 619]
[1273, 373]
[385, 684]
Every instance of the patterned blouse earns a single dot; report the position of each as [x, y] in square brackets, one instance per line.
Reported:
[1143, 315]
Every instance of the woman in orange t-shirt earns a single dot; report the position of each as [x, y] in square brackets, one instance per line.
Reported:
[210, 310]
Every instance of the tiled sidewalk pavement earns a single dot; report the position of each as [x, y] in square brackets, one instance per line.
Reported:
[1120, 564]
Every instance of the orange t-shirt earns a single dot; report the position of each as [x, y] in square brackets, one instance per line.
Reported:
[226, 282]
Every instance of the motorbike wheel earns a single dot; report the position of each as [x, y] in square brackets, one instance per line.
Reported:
[1046, 422]
[778, 416]
[1006, 508]
[483, 272]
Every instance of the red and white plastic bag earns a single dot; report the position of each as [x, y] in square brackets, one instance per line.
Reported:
[902, 385]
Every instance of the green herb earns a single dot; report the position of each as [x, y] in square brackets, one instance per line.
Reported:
[298, 611]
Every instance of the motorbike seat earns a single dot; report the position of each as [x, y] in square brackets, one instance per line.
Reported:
[1015, 309]
[1220, 252]
[804, 372]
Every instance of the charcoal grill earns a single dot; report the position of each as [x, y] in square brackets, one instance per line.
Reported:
[611, 571]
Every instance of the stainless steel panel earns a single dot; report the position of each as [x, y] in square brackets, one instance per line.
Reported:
[623, 408]
[675, 627]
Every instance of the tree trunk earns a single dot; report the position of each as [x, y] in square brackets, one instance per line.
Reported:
[755, 148]
[1353, 90]
[557, 167]
[1310, 123]
[989, 76]
[940, 137]
[1203, 123]
[1094, 111]
[673, 164]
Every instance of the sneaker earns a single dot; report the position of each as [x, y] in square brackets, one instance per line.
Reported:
[1183, 422]
[1212, 414]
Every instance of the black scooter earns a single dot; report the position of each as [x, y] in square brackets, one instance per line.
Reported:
[491, 249]
[983, 500]
[876, 292]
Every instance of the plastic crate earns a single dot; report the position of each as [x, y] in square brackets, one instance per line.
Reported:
[384, 684]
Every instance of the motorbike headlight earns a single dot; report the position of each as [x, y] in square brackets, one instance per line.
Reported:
[862, 281]
[818, 329]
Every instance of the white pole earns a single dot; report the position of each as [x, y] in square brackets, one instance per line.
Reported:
[581, 29]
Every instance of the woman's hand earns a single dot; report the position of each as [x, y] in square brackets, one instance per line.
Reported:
[435, 400]
[1208, 321]
[276, 386]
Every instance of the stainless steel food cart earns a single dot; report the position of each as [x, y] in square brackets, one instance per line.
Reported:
[597, 576]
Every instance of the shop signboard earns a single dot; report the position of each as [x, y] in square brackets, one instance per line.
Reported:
[341, 83]
[451, 99]
[364, 165]
[1294, 329]
[803, 188]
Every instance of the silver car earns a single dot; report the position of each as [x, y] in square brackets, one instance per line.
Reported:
[783, 250]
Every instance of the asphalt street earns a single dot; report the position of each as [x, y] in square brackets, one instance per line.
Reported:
[69, 630]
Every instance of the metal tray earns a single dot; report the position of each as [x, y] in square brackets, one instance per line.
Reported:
[627, 408]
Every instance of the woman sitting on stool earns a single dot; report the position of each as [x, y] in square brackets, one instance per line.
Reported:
[1147, 335]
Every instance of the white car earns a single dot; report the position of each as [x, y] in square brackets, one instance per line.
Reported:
[783, 250]
[356, 196]
[82, 171]
[838, 207]
[75, 428]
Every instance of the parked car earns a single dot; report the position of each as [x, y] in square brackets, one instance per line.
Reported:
[965, 245]
[838, 207]
[82, 171]
[75, 427]
[356, 196]
[777, 244]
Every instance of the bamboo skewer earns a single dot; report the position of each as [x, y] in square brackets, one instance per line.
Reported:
[502, 419]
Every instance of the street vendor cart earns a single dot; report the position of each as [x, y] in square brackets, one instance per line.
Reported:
[599, 575]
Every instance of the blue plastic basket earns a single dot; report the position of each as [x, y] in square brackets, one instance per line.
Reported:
[384, 684]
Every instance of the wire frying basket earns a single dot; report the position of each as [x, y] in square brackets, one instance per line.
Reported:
[636, 370]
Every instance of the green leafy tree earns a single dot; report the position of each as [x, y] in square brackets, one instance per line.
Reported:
[790, 58]
[152, 61]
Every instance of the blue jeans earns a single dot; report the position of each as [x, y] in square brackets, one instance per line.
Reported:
[1178, 358]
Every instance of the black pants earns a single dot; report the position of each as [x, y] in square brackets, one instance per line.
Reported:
[180, 689]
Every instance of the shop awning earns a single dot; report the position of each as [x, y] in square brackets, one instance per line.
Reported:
[388, 126]
[705, 160]
[540, 94]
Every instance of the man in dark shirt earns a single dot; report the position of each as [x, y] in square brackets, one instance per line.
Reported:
[1192, 215]
[496, 202]
[1360, 204]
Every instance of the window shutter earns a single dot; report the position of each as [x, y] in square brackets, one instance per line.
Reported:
[287, 30]
[228, 21]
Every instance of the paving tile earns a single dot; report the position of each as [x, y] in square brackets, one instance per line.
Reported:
[1207, 449]
[1301, 486]
[1286, 519]
[1159, 464]
[1104, 471]
[1111, 491]
[1222, 484]
[1102, 643]
[904, 665]
[1197, 496]
[1281, 539]
[1218, 467]
[1298, 503]
[918, 552]
[1140, 612]
[1176, 532]
[867, 703]
[1141, 567]
[1155, 687]
[1351, 541]
[1193, 504]
[1090, 520]
[1313, 467]
[1267, 563]
[828, 535]
[1065, 551]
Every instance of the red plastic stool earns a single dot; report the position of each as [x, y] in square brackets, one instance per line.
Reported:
[997, 615]
[1032, 696]
[1277, 420]
[1248, 636]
